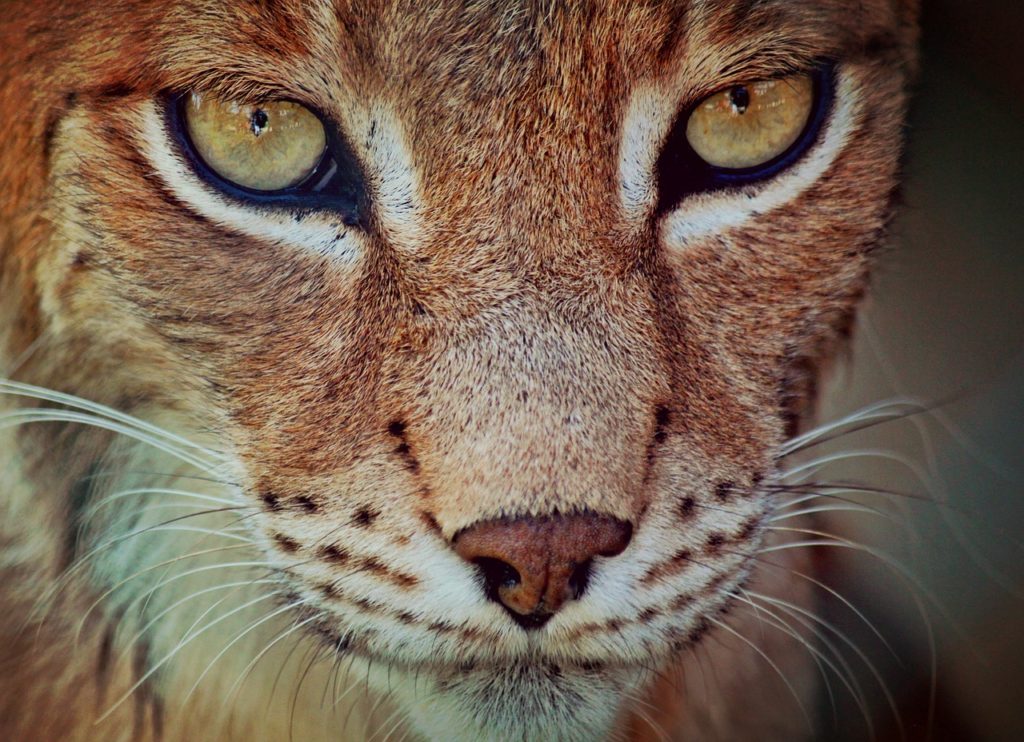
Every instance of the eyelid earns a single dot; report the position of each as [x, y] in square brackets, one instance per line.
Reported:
[780, 64]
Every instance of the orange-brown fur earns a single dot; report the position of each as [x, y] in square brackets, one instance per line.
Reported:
[513, 353]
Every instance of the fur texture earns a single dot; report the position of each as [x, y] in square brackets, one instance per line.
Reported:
[263, 547]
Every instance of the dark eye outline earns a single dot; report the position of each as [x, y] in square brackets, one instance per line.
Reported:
[336, 184]
[682, 172]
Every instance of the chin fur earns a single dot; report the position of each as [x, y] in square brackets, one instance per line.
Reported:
[519, 703]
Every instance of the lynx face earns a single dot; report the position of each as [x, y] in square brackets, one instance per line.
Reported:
[493, 349]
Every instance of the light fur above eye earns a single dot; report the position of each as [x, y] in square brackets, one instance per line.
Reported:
[749, 125]
[267, 147]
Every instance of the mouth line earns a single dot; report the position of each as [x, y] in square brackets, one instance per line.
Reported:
[351, 643]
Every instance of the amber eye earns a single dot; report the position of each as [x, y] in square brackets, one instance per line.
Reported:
[267, 147]
[749, 125]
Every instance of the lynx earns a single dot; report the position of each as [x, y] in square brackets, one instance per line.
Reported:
[426, 370]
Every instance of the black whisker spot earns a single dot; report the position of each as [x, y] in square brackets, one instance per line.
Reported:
[334, 554]
[287, 544]
[714, 543]
[723, 490]
[365, 517]
[431, 522]
[747, 529]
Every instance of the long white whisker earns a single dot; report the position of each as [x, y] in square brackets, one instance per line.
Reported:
[838, 596]
[772, 664]
[163, 492]
[238, 638]
[225, 586]
[182, 643]
[22, 417]
[850, 508]
[892, 409]
[841, 668]
[46, 601]
[226, 529]
[790, 608]
[181, 575]
[822, 461]
[832, 541]
[270, 645]
[772, 620]
[21, 389]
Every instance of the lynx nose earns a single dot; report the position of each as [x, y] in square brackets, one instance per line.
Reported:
[532, 566]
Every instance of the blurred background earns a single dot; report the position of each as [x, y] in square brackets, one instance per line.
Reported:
[945, 325]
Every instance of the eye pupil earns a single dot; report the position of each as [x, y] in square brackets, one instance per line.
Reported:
[259, 121]
[739, 96]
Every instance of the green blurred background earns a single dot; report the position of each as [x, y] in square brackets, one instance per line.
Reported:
[945, 324]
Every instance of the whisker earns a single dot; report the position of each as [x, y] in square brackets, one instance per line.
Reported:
[152, 474]
[840, 667]
[779, 624]
[771, 663]
[791, 608]
[636, 706]
[837, 595]
[238, 638]
[20, 389]
[47, 600]
[192, 596]
[149, 509]
[23, 417]
[895, 567]
[187, 573]
[850, 508]
[236, 686]
[874, 453]
[868, 417]
[163, 492]
[181, 644]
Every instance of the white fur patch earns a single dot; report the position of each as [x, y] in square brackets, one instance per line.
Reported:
[643, 131]
[393, 178]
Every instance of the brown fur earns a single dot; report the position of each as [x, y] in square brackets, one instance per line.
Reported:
[515, 352]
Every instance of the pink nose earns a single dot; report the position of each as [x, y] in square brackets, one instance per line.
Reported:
[533, 566]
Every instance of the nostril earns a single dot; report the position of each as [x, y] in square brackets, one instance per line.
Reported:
[497, 575]
[579, 579]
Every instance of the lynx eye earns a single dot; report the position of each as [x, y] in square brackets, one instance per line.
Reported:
[742, 134]
[749, 125]
[271, 146]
